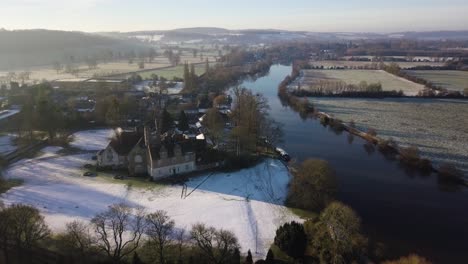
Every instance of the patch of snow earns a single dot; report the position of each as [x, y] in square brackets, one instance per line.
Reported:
[50, 151]
[92, 140]
[7, 113]
[6, 144]
[247, 202]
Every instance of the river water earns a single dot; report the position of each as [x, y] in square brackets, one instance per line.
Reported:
[408, 212]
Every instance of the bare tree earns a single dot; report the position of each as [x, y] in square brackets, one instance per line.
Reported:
[181, 240]
[214, 122]
[252, 124]
[159, 229]
[217, 245]
[23, 226]
[77, 238]
[119, 230]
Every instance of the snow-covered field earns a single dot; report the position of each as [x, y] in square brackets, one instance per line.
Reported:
[438, 127]
[247, 202]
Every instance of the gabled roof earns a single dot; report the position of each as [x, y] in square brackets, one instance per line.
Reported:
[124, 142]
[186, 146]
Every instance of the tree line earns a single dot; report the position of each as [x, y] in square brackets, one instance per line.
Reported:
[120, 234]
[302, 106]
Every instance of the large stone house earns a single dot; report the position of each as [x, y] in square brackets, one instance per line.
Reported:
[126, 150]
[149, 153]
[170, 158]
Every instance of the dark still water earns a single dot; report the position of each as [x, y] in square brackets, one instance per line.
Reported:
[408, 212]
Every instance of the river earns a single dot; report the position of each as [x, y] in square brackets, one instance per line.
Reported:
[408, 212]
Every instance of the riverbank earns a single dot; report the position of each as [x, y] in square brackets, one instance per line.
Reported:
[388, 147]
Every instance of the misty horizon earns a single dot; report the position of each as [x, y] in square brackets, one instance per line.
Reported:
[297, 15]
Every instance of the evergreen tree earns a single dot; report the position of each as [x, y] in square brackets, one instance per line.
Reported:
[291, 238]
[207, 66]
[249, 259]
[166, 122]
[113, 113]
[193, 78]
[236, 257]
[187, 78]
[27, 117]
[183, 121]
[270, 258]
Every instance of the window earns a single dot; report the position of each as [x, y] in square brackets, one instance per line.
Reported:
[187, 167]
[138, 159]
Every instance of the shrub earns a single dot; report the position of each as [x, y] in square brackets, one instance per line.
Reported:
[450, 174]
[372, 132]
[410, 155]
[388, 146]
[291, 239]
[313, 186]
[324, 120]
[336, 236]
[337, 125]
[425, 165]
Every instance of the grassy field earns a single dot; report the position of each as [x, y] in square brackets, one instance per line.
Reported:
[48, 73]
[113, 68]
[389, 82]
[344, 63]
[451, 80]
[439, 128]
[170, 73]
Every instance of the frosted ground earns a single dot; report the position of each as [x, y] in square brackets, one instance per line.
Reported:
[438, 127]
[247, 202]
[346, 63]
[451, 80]
[389, 82]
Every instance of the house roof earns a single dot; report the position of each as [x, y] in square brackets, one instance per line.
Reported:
[125, 141]
[186, 146]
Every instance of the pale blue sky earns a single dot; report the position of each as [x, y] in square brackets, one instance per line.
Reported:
[311, 15]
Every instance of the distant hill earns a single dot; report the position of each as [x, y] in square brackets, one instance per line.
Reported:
[29, 48]
[189, 31]
[436, 35]
[203, 30]
[247, 36]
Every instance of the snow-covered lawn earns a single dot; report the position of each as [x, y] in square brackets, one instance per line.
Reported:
[92, 139]
[247, 202]
[6, 144]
